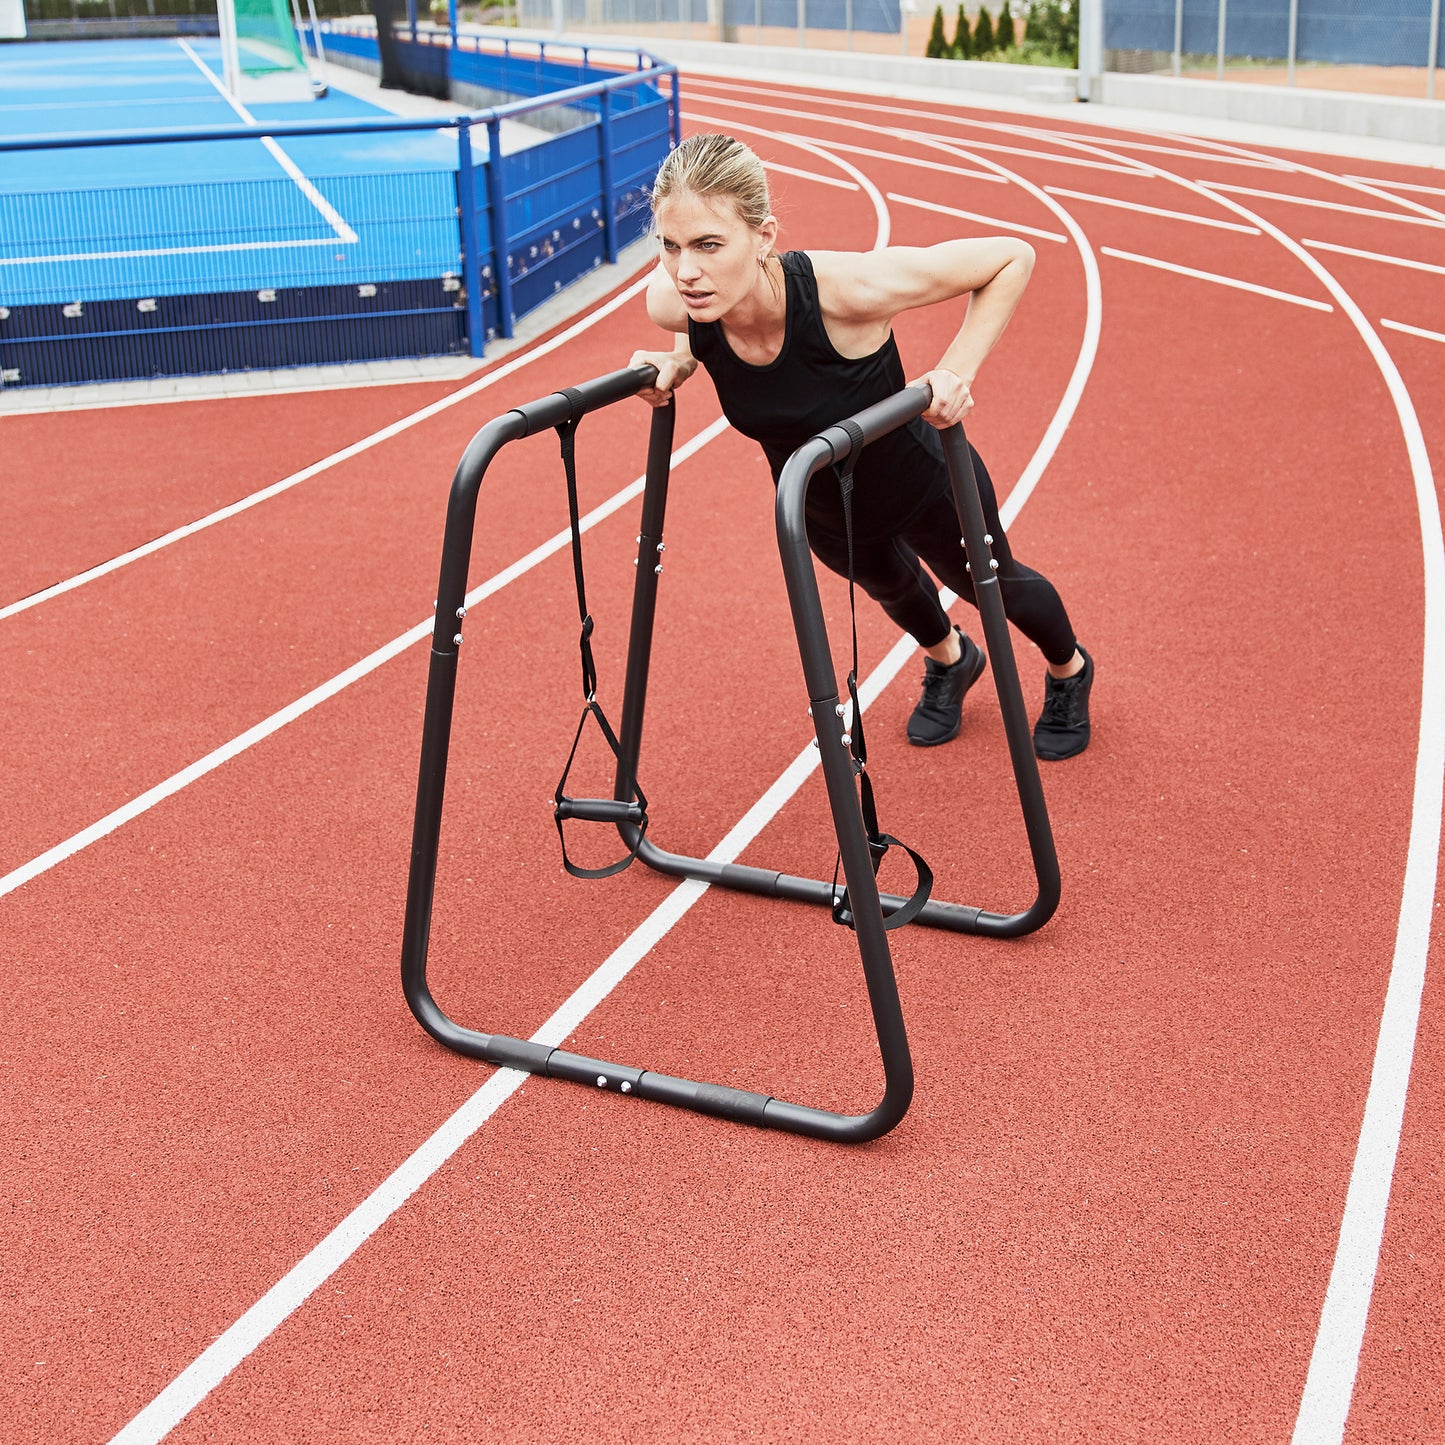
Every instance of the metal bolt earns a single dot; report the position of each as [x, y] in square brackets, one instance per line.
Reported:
[993, 566]
[639, 536]
[626, 1087]
[662, 546]
[813, 742]
[810, 712]
[458, 639]
[461, 612]
[601, 1081]
[968, 566]
[988, 538]
[634, 561]
[658, 569]
[841, 710]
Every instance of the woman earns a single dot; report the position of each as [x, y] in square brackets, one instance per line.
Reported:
[797, 342]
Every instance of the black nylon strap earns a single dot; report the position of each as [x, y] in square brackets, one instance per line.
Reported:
[567, 433]
[878, 841]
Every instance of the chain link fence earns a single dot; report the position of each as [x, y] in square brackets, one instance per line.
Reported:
[1391, 47]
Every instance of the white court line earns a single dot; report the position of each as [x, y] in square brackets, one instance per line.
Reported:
[229, 1349]
[1323, 205]
[810, 176]
[1015, 226]
[167, 251]
[18, 877]
[1153, 210]
[1413, 330]
[1217, 279]
[346, 453]
[1374, 256]
[333, 216]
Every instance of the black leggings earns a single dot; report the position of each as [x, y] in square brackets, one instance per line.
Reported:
[889, 571]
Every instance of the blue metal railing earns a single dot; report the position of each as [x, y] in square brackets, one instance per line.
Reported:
[531, 222]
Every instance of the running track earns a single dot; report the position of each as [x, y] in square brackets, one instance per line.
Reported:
[248, 1199]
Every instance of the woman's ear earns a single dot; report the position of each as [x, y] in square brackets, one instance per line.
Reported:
[767, 237]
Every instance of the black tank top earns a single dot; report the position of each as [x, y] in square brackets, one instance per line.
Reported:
[809, 387]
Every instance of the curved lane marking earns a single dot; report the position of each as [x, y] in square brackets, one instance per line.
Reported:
[1334, 1360]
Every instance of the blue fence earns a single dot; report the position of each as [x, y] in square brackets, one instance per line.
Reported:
[1388, 32]
[432, 252]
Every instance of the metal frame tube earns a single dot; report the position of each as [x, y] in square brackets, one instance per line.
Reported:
[1434, 59]
[837, 764]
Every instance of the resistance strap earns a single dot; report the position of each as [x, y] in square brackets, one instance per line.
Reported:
[878, 841]
[601, 810]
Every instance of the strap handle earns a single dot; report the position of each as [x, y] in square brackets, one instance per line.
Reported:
[567, 434]
[878, 841]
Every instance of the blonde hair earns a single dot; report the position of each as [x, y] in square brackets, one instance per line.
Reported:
[716, 167]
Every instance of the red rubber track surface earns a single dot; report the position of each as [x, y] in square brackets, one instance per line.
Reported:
[1112, 1211]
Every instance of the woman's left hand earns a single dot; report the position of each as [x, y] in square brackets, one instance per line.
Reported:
[952, 400]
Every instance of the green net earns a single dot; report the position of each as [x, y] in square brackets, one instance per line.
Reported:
[266, 42]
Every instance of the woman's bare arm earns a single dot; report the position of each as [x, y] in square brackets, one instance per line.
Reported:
[861, 293]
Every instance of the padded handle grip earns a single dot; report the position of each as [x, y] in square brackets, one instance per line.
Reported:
[599, 810]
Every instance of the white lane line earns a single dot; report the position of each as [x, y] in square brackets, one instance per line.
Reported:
[810, 176]
[326, 463]
[18, 877]
[1397, 185]
[823, 96]
[1413, 330]
[1374, 256]
[1436, 224]
[1054, 156]
[1217, 279]
[1153, 210]
[1335, 1358]
[1115, 143]
[289, 1293]
[1011, 226]
[333, 216]
[165, 251]
[834, 145]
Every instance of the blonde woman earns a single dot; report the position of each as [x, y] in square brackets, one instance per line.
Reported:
[798, 341]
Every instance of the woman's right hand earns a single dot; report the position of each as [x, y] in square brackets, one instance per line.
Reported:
[672, 370]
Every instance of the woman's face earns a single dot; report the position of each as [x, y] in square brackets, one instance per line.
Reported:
[710, 252]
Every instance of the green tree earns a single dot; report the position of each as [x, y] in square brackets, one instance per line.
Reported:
[962, 37]
[983, 33]
[1005, 35]
[937, 48]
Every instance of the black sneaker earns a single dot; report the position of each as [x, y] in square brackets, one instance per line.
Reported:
[939, 713]
[1063, 726]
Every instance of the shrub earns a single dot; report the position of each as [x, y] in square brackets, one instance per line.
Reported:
[962, 37]
[1004, 36]
[983, 33]
[936, 48]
